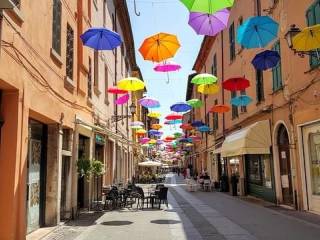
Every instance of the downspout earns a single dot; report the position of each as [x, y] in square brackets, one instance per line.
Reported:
[115, 105]
[222, 77]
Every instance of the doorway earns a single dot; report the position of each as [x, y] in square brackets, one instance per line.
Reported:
[36, 175]
[285, 165]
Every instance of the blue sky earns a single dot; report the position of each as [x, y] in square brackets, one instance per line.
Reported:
[172, 17]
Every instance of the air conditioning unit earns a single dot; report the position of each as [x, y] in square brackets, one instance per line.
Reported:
[6, 4]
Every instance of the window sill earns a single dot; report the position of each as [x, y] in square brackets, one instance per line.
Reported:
[16, 15]
[96, 91]
[69, 84]
[56, 57]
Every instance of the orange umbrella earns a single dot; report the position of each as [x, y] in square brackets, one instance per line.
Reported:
[159, 47]
[186, 126]
[219, 109]
[156, 126]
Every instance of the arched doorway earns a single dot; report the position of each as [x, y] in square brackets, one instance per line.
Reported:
[285, 165]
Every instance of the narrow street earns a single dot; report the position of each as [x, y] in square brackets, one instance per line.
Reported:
[197, 215]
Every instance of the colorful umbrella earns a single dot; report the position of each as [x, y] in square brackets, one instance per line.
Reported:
[101, 39]
[153, 132]
[167, 67]
[154, 114]
[265, 60]
[115, 90]
[171, 138]
[189, 144]
[186, 126]
[204, 128]
[195, 138]
[195, 103]
[173, 122]
[149, 102]
[173, 116]
[136, 127]
[236, 84]
[308, 39]
[131, 84]
[156, 126]
[159, 47]
[152, 141]
[159, 141]
[257, 32]
[197, 124]
[122, 100]
[210, 25]
[137, 123]
[180, 107]
[219, 109]
[242, 100]
[177, 134]
[185, 140]
[208, 88]
[141, 131]
[207, 6]
[204, 78]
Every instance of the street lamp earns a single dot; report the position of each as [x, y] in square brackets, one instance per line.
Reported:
[133, 108]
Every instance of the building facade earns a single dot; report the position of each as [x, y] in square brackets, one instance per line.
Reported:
[55, 110]
[284, 114]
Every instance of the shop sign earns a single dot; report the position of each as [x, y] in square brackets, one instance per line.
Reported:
[100, 139]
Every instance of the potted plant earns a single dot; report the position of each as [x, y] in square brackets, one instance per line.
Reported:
[97, 169]
[84, 167]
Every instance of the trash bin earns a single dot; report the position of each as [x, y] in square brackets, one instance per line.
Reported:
[234, 184]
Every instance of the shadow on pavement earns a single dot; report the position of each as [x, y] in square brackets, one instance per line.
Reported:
[116, 223]
[165, 221]
[85, 219]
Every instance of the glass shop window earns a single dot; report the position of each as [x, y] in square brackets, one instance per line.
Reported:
[314, 145]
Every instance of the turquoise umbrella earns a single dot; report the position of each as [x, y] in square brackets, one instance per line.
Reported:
[242, 100]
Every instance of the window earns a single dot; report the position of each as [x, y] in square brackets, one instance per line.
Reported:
[276, 71]
[66, 139]
[89, 9]
[16, 3]
[214, 65]
[240, 21]
[313, 18]
[259, 86]
[232, 46]
[69, 52]
[96, 69]
[259, 170]
[258, 7]
[215, 118]
[235, 113]
[121, 60]
[243, 109]
[90, 79]
[104, 12]
[314, 149]
[106, 79]
[113, 23]
[56, 26]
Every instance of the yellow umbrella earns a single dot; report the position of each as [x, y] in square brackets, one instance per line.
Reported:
[189, 144]
[152, 141]
[208, 88]
[154, 114]
[156, 126]
[131, 84]
[308, 39]
[141, 131]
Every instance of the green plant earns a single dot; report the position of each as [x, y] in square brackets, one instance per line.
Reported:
[97, 167]
[84, 167]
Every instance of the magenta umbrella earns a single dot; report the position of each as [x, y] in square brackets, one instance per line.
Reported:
[167, 67]
[122, 100]
[206, 24]
[149, 102]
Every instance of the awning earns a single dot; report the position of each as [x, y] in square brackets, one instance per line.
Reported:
[254, 139]
[217, 150]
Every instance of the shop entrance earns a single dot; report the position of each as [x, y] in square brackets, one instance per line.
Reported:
[36, 178]
[285, 165]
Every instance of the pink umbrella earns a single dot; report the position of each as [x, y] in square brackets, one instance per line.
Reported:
[122, 100]
[167, 67]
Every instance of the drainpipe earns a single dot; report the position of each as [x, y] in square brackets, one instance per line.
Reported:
[115, 105]
[222, 76]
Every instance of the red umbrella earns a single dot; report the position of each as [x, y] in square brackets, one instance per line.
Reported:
[236, 84]
[170, 138]
[115, 90]
[186, 126]
[219, 109]
[173, 116]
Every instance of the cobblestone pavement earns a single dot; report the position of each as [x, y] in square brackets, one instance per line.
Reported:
[191, 216]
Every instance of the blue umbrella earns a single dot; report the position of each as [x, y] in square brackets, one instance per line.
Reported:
[180, 107]
[257, 32]
[266, 59]
[197, 124]
[153, 132]
[101, 39]
[204, 128]
[185, 140]
[242, 100]
[173, 122]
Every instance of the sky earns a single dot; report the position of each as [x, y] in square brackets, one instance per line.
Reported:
[169, 16]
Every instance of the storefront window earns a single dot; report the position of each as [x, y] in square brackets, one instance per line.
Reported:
[255, 170]
[266, 171]
[314, 140]
[259, 170]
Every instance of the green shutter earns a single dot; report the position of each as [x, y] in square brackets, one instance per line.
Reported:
[276, 71]
[313, 17]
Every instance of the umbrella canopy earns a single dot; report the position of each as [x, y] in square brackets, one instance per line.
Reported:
[210, 25]
[171, 138]
[156, 126]
[197, 124]
[136, 123]
[122, 100]
[115, 90]
[207, 6]
[136, 127]
[149, 164]
[173, 122]
[265, 60]
[186, 126]
[153, 132]
[257, 32]
[195, 103]
[236, 84]
[149, 102]
[131, 84]
[180, 107]
[152, 141]
[204, 78]
[101, 39]
[204, 128]
[167, 67]
[189, 144]
[220, 109]
[159, 142]
[195, 138]
[159, 47]
[154, 114]
[173, 116]
[242, 100]
[185, 140]
[141, 131]
[177, 134]
[308, 39]
[208, 88]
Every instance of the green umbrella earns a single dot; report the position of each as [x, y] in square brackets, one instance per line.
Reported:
[195, 103]
[204, 78]
[177, 134]
[207, 6]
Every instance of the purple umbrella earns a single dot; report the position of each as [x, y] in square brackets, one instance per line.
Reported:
[149, 102]
[206, 24]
